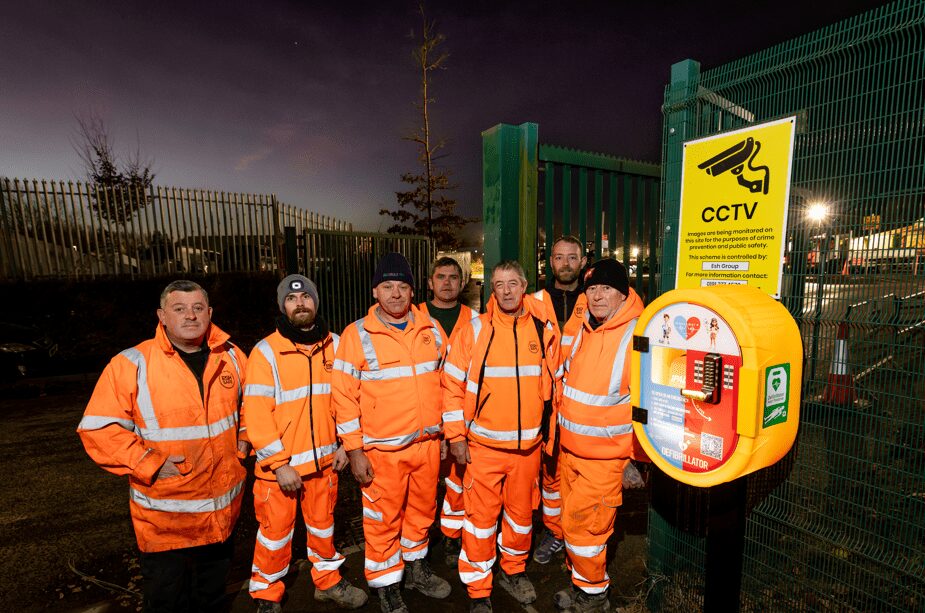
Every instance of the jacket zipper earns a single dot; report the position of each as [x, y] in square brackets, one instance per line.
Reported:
[311, 411]
[517, 380]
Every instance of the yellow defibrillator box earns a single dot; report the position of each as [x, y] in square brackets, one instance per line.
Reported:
[715, 385]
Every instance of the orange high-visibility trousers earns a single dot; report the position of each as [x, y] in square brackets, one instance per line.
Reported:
[276, 514]
[398, 509]
[453, 510]
[591, 492]
[552, 499]
[496, 480]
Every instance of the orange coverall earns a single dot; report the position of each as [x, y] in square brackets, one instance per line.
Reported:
[452, 510]
[289, 420]
[596, 439]
[499, 373]
[387, 401]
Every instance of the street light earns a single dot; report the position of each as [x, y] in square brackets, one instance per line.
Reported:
[817, 211]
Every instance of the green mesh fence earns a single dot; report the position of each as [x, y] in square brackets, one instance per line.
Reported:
[839, 525]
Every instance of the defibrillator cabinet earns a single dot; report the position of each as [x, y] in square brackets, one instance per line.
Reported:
[715, 384]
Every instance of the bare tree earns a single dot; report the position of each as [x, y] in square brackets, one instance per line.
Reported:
[119, 191]
[425, 208]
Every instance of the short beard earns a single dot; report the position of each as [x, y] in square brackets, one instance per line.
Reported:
[561, 278]
[303, 320]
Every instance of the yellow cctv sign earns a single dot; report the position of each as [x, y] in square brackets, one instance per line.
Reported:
[735, 188]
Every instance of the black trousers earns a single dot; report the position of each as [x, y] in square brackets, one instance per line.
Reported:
[191, 579]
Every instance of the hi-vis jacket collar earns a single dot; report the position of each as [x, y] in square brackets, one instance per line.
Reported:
[215, 338]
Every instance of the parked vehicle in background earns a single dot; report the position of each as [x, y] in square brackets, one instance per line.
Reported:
[25, 350]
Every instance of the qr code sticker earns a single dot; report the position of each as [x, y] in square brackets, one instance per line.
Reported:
[711, 446]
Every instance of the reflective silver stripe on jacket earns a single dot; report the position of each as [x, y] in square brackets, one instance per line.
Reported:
[260, 391]
[348, 426]
[269, 450]
[402, 440]
[145, 406]
[317, 389]
[503, 435]
[207, 505]
[189, 433]
[454, 371]
[437, 335]
[598, 431]
[267, 351]
[347, 368]
[309, 456]
[476, 329]
[534, 370]
[369, 352]
[592, 399]
[98, 422]
[237, 369]
[452, 416]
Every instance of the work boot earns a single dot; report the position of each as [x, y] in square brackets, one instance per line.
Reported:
[563, 599]
[589, 603]
[480, 605]
[343, 594]
[390, 600]
[518, 586]
[421, 578]
[451, 549]
[268, 606]
[548, 547]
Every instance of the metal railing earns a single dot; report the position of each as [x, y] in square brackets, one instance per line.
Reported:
[76, 230]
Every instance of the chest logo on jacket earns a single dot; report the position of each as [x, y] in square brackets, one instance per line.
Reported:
[427, 339]
[226, 379]
[534, 347]
[328, 366]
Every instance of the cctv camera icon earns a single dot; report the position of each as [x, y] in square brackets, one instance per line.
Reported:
[734, 159]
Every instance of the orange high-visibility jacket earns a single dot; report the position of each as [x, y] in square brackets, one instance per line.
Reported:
[573, 325]
[147, 406]
[594, 411]
[287, 404]
[499, 372]
[386, 382]
[465, 314]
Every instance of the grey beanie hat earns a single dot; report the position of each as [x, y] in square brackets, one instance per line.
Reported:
[293, 284]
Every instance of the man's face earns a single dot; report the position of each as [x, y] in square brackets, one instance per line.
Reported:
[185, 317]
[300, 309]
[566, 262]
[445, 283]
[394, 297]
[508, 288]
[603, 301]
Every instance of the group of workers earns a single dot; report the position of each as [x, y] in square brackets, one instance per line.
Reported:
[526, 404]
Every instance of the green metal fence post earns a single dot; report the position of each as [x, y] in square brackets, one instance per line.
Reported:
[509, 186]
[680, 109]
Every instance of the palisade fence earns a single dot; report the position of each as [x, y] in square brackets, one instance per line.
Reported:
[839, 524]
[58, 229]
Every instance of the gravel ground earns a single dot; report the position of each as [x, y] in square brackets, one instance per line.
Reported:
[66, 541]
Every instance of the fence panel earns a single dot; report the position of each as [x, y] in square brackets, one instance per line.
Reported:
[845, 529]
[77, 230]
[578, 182]
[342, 265]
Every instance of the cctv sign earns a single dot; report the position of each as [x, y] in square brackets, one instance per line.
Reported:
[735, 188]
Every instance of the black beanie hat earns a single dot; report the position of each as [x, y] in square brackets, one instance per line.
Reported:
[393, 267]
[608, 272]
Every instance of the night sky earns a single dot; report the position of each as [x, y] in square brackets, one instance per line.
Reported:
[310, 100]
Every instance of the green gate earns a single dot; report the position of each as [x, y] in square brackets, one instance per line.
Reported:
[534, 193]
[839, 525]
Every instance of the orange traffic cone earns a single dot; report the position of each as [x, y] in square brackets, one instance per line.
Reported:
[840, 387]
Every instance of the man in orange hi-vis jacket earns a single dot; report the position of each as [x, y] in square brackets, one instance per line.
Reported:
[387, 400]
[499, 380]
[165, 414]
[446, 284]
[290, 422]
[596, 432]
